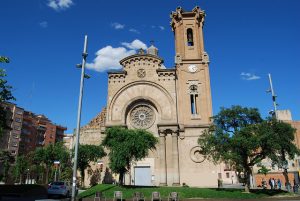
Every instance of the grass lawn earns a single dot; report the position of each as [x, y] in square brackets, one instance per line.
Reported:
[184, 192]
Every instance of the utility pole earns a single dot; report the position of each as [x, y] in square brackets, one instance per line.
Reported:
[84, 55]
[273, 95]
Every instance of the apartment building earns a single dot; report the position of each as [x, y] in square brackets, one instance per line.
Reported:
[12, 134]
[26, 131]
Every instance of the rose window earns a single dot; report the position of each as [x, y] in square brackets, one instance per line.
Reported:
[142, 117]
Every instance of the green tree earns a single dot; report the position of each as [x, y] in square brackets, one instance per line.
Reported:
[6, 160]
[263, 170]
[50, 153]
[5, 95]
[66, 174]
[125, 146]
[20, 167]
[86, 154]
[240, 136]
[282, 143]
[232, 139]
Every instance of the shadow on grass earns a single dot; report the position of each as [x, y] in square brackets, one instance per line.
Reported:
[132, 186]
[95, 189]
[268, 192]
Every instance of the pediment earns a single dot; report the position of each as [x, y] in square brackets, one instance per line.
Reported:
[141, 60]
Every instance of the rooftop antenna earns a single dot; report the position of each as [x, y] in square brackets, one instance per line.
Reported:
[273, 96]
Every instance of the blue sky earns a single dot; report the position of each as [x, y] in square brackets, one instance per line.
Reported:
[245, 40]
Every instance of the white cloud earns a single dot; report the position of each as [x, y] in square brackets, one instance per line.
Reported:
[161, 28]
[108, 58]
[43, 24]
[249, 76]
[117, 25]
[60, 4]
[134, 31]
[136, 44]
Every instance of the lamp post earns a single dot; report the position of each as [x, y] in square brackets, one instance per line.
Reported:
[273, 96]
[27, 178]
[84, 55]
[56, 164]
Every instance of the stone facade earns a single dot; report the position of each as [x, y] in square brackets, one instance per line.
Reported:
[172, 103]
[91, 133]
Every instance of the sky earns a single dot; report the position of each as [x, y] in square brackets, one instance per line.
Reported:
[245, 41]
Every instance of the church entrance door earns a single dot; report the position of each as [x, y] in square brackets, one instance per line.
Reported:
[142, 176]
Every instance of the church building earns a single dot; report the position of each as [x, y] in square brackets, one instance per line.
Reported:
[174, 104]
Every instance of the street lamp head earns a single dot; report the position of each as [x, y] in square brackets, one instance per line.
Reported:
[87, 76]
[84, 54]
[78, 65]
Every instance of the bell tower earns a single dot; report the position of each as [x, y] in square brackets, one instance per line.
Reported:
[192, 68]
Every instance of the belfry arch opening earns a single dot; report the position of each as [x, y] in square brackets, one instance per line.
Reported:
[190, 37]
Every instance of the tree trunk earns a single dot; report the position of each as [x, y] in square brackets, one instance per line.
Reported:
[285, 172]
[287, 182]
[121, 176]
[247, 174]
[247, 184]
[47, 175]
[20, 178]
[82, 177]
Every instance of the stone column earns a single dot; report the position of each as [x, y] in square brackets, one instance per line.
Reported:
[175, 158]
[162, 159]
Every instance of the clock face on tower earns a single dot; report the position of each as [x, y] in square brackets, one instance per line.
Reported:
[192, 68]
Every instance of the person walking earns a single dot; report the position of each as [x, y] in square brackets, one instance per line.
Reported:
[279, 184]
[272, 183]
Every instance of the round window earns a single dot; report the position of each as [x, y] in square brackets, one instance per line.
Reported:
[142, 117]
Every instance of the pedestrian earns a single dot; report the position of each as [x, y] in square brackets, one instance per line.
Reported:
[295, 187]
[279, 184]
[273, 183]
[270, 183]
[264, 183]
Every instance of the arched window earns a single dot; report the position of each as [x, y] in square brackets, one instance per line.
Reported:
[194, 98]
[190, 39]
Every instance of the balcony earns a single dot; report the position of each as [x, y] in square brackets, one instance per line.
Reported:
[41, 128]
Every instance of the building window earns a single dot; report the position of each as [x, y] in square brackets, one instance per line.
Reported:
[17, 128]
[194, 99]
[227, 175]
[25, 131]
[219, 175]
[19, 112]
[18, 120]
[190, 39]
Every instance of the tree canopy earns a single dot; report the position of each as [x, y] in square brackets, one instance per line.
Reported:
[239, 136]
[50, 153]
[5, 95]
[6, 160]
[126, 146]
[87, 154]
[20, 167]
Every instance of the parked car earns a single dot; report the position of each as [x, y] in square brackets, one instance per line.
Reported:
[62, 188]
